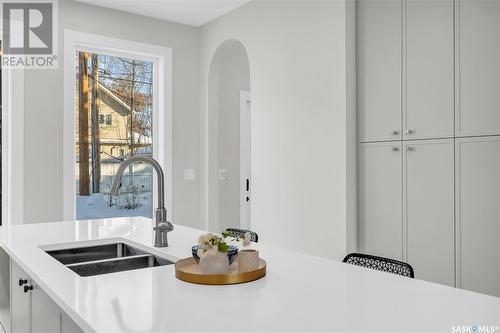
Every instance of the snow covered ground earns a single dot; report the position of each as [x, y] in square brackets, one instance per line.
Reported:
[96, 206]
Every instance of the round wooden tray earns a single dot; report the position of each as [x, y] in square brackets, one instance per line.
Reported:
[187, 270]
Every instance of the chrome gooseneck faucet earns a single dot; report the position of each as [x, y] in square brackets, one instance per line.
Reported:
[163, 227]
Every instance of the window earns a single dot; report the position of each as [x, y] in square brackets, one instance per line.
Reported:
[105, 120]
[159, 60]
[114, 121]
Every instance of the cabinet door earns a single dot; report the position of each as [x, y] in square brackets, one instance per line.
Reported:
[45, 314]
[478, 59]
[68, 325]
[429, 209]
[429, 104]
[478, 214]
[19, 301]
[380, 199]
[4, 291]
[379, 69]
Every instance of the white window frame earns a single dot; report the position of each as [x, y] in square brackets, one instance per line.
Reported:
[12, 145]
[161, 57]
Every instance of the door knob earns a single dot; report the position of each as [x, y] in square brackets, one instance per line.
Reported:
[409, 131]
[409, 148]
[395, 148]
[22, 281]
[394, 132]
[27, 288]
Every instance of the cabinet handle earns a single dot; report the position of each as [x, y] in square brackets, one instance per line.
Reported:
[21, 282]
[409, 148]
[409, 131]
[394, 132]
[27, 288]
[395, 148]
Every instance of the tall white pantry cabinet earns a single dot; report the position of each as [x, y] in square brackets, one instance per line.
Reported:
[428, 100]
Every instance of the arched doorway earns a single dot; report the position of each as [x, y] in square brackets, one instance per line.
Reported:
[229, 153]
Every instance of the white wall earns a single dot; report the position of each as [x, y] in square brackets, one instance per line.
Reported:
[44, 110]
[351, 126]
[297, 53]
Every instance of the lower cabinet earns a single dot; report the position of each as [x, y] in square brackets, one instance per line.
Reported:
[19, 300]
[68, 325]
[429, 209]
[478, 214]
[406, 205]
[45, 314]
[436, 205]
[380, 200]
[4, 292]
[32, 310]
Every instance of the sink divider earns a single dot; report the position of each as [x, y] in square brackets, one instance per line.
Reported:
[120, 258]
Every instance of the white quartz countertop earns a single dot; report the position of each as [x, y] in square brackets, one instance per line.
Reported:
[300, 292]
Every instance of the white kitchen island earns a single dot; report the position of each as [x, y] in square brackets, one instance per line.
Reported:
[300, 292]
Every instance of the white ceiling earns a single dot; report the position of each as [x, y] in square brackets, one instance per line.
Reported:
[191, 12]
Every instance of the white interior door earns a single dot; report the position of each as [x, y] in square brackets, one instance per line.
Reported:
[245, 160]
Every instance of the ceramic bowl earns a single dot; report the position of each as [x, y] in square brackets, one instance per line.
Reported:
[232, 253]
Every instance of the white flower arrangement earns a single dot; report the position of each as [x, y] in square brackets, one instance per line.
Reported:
[210, 244]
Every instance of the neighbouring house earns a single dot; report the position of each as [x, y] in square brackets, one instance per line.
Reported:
[114, 132]
[114, 126]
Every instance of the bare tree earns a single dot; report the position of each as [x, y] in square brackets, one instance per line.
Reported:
[83, 124]
[95, 136]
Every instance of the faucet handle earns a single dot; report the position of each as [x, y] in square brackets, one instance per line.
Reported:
[164, 227]
[161, 232]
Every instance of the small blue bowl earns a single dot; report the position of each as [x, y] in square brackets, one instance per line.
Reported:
[232, 253]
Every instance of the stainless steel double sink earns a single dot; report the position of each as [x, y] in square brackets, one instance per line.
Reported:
[106, 258]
